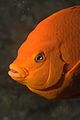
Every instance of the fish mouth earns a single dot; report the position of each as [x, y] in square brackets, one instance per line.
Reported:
[17, 73]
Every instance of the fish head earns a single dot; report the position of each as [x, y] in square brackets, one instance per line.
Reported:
[31, 66]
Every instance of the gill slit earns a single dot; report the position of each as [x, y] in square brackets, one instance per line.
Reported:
[49, 70]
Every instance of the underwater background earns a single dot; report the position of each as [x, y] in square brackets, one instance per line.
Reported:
[17, 19]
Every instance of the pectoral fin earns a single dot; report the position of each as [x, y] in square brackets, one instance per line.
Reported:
[71, 85]
[72, 71]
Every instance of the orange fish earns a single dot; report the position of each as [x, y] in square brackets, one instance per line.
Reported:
[50, 57]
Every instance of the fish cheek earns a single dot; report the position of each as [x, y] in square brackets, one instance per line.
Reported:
[38, 77]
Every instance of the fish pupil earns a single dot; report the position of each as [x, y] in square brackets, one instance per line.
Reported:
[39, 57]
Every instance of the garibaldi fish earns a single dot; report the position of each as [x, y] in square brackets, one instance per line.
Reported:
[49, 58]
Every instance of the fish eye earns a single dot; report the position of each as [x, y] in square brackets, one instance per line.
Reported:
[40, 57]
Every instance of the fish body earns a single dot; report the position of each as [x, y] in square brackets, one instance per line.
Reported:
[50, 56]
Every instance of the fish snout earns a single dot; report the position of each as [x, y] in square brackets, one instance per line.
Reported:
[17, 73]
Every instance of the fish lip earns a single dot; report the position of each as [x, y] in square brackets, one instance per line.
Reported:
[12, 70]
[17, 73]
[16, 78]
